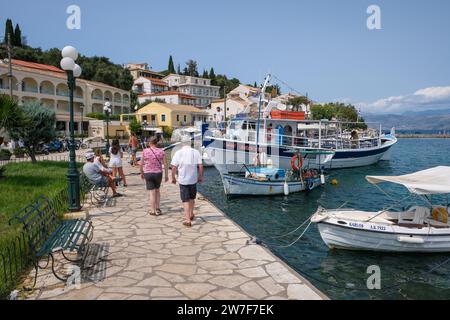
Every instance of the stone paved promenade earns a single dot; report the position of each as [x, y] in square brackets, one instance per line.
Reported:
[158, 258]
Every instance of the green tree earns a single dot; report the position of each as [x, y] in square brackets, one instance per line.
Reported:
[297, 102]
[205, 74]
[192, 68]
[10, 113]
[135, 126]
[9, 29]
[339, 111]
[37, 126]
[171, 67]
[17, 36]
[212, 76]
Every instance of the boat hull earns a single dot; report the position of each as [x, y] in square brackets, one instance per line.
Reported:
[230, 156]
[236, 186]
[340, 237]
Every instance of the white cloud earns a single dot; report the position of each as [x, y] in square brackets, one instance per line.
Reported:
[432, 98]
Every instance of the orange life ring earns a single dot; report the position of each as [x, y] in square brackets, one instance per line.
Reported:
[295, 159]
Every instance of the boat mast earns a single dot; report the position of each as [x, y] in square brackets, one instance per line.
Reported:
[261, 94]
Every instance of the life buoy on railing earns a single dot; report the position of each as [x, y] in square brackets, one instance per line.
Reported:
[296, 162]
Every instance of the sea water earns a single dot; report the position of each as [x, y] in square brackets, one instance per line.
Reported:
[343, 274]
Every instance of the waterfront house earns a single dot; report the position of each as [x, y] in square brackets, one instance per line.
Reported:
[200, 88]
[157, 115]
[170, 97]
[216, 111]
[139, 70]
[48, 85]
[144, 85]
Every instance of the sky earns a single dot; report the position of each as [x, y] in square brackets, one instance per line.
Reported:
[319, 47]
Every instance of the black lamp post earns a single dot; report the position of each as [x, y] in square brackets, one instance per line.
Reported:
[107, 109]
[73, 70]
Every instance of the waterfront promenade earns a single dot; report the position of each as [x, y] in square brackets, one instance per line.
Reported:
[158, 258]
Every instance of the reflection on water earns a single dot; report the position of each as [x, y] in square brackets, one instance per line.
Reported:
[342, 274]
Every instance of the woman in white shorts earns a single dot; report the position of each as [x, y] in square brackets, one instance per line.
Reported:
[115, 162]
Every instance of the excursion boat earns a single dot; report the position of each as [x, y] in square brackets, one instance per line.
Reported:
[424, 229]
[268, 181]
[280, 134]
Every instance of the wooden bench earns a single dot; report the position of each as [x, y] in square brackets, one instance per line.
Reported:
[48, 235]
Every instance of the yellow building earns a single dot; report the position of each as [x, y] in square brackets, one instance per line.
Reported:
[157, 115]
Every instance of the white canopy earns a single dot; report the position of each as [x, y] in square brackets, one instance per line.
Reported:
[431, 181]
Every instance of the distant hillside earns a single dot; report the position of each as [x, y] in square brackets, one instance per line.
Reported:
[423, 120]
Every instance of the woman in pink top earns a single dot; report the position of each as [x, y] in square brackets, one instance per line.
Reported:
[151, 167]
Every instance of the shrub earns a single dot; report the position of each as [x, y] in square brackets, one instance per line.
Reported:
[5, 154]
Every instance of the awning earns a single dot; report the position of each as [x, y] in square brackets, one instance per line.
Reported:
[431, 181]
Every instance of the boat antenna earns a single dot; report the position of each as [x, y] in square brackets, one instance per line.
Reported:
[261, 94]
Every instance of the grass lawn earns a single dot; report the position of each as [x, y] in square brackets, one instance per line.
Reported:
[21, 184]
[24, 182]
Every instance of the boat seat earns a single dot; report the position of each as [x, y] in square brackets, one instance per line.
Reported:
[415, 215]
[436, 224]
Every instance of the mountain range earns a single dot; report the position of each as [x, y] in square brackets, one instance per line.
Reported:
[419, 120]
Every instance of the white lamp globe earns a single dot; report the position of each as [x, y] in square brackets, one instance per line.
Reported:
[107, 104]
[77, 71]
[67, 64]
[70, 52]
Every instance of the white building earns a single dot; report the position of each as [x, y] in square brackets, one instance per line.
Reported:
[216, 111]
[138, 70]
[48, 85]
[144, 85]
[170, 97]
[244, 92]
[200, 88]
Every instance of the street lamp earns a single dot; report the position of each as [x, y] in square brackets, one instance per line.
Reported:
[70, 54]
[107, 109]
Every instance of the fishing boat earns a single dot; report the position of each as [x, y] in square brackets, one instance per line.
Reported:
[263, 181]
[421, 228]
[280, 134]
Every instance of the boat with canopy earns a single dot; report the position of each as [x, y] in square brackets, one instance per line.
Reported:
[421, 228]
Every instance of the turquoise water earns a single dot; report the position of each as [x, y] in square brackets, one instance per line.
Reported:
[342, 274]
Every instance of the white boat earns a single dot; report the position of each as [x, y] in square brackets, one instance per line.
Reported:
[419, 229]
[269, 182]
[281, 134]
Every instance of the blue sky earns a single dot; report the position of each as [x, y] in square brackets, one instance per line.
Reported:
[317, 46]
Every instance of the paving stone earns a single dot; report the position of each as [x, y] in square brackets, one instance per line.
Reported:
[255, 253]
[252, 289]
[154, 281]
[271, 286]
[257, 272]
[281, 274]
[182, 269]
[227, 294]
[301, 292]
[228, 281]
[165, 292]
[195, 290]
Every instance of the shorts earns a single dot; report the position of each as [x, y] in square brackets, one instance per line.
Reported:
[115, 163]
[133, 151]
[188, 193]
[103, 182]
[153, 180]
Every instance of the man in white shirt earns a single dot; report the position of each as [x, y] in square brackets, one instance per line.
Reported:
[188, 162]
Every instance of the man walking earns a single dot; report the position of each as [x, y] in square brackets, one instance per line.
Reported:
[188, 162]
[134, 147]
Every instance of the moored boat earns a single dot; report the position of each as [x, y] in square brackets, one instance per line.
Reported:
[420, 228]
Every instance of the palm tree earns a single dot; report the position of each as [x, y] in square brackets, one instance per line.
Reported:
[10, 114]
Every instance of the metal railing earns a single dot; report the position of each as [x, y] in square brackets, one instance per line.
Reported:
[57, 158]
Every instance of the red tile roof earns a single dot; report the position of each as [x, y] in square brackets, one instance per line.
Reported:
[168, 93]
[38, 66]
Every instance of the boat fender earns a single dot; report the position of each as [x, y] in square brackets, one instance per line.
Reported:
[286, 188]
[334, 182]
[296, 162]
[322, 179]
[412, 240]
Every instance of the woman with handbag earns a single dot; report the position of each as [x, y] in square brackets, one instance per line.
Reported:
[151, 168]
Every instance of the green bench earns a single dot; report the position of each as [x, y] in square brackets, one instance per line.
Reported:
[48, 235]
